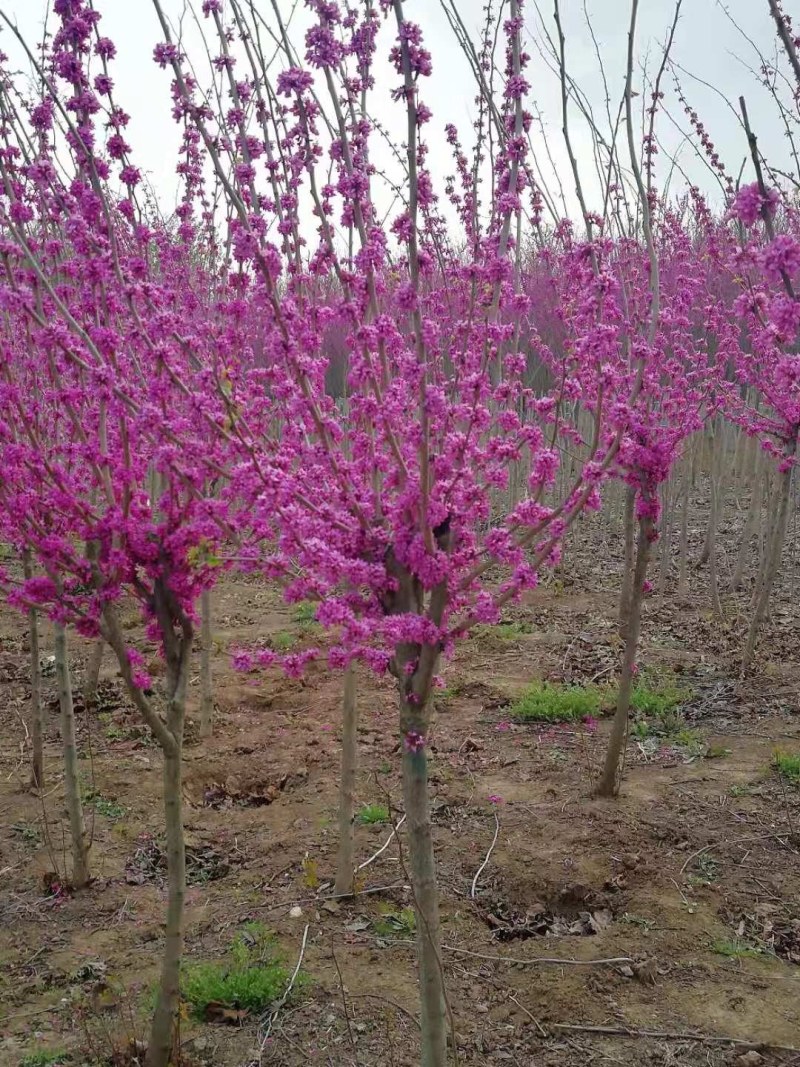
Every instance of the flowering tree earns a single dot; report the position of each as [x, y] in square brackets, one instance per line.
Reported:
[105, 439]
[182, 374]
[403, 548]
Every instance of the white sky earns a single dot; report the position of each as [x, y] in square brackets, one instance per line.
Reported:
[707, 44]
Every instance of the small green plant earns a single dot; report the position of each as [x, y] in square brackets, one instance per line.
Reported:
[44, 1058]
[449, 692]
[690, 740]
[657, 699]
[656, 705]
[28, 833]
[543, 702]
[393, 923]
[248, 982]
[717, 752]
[707, 870]
[283, 640]
[743, 790]
[372, 814]
[637, 920]
[735, 949]
[103, 806]
[787, 764]
[505, 631]
[305, 611]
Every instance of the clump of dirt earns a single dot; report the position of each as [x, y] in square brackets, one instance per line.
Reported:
[573, 910]
[773, 928]
[254, 793]
[149, 863]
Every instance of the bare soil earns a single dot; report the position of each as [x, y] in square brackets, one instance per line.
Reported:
[690, 880]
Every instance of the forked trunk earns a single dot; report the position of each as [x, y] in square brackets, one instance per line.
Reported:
[36, 712]
[345, 861]
[72, 786]
[426, 895]
[206, 681]
[92, 679]
[610, 779]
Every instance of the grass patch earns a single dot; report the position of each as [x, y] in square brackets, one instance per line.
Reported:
[283, 640]
[249, 981]
[305, 612]
[657, 700]
[707, 870]
[717, 752]
[735, 950]
[28, 833]
[373, 814]
[103, 806]
[44, 1059]
[741, 790]
[505, 631]
[543, 702]
[787, 764]
[393, 923]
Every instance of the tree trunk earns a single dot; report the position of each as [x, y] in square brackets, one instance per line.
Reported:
[426, 897]
[162, 1027]
[627, 574]
[713, 521]
[683, 574]
[92, 679]
[206, 682]
[666, 540]
[609, 781]
[36, 713]
[345, 862]
[72, 788]
[750, 524]
[771, 567]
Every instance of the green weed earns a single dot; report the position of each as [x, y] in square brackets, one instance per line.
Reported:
[733, 949]
[707, 870]
[787, 764]
[393, 923]
[717, 752]
[637, 920]
[283, 640]
[249, 981]
[305, 611]
[103, 806]
[740, 790]
[44, 1059]
[28, 833]
[372, 814]
[543, 702]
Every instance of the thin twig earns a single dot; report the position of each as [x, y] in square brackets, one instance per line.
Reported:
[671, 1035]
[537, 960]
[480, 870]
[532, 1018]
[736, 841]
[344, 1001]
[383, 847]
[273, 1015]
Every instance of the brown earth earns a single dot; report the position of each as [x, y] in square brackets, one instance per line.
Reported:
[690, 880]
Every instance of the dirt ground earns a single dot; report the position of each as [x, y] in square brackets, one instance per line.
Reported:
[688, 885]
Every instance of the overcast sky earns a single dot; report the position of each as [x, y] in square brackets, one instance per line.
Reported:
[707, 45]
